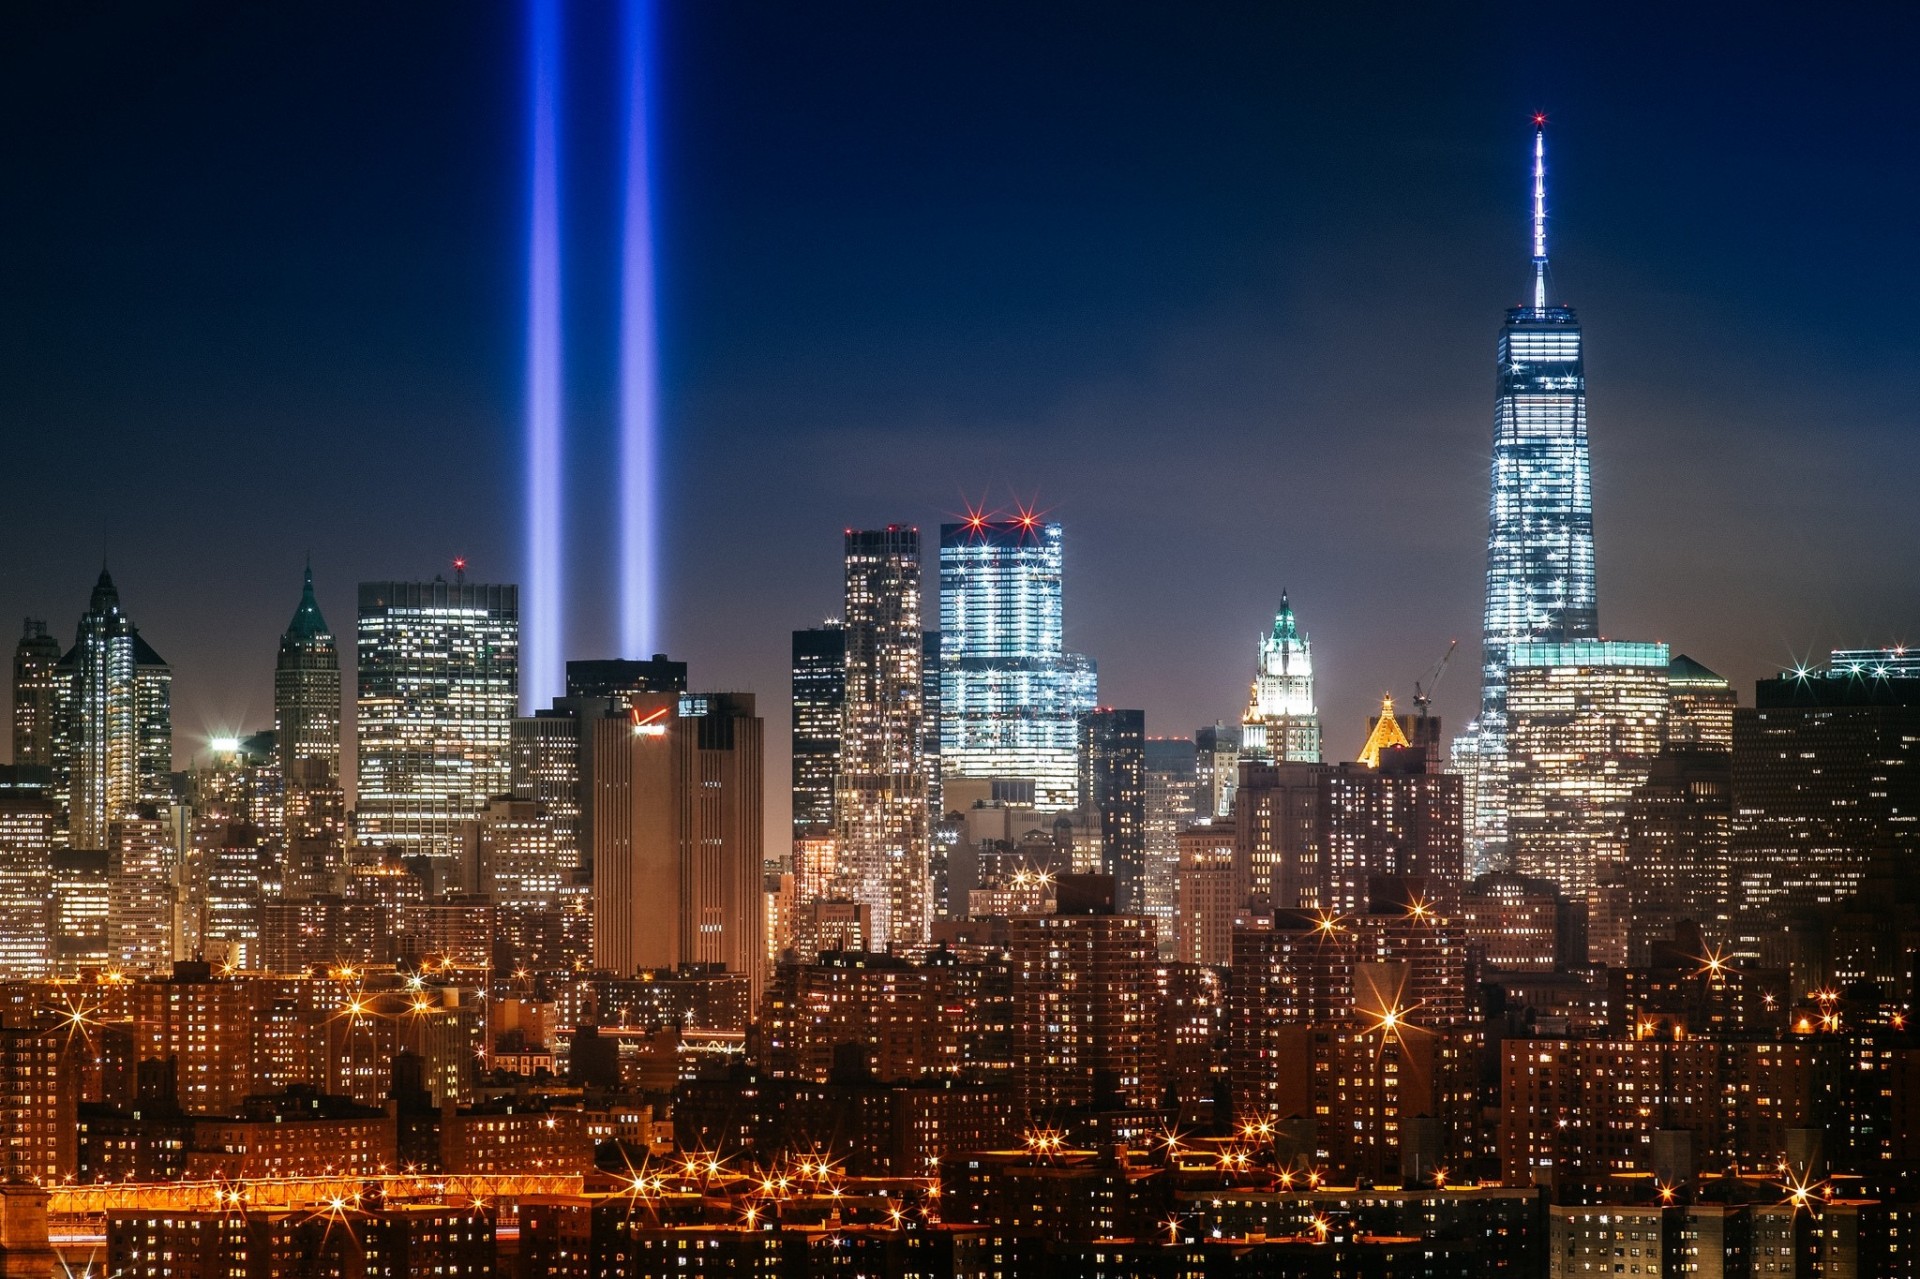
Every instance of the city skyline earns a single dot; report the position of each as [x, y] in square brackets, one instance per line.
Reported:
[1292, 216]
[933, 668]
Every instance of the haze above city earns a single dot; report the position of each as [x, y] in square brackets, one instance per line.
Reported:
[1218, 292]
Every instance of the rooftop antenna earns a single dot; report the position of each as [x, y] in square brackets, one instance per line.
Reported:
[1539, 212]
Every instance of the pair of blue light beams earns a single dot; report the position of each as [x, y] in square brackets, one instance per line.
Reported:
[542, 674]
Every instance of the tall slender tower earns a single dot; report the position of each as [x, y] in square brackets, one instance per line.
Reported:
[1540, 566]
[306, 698]
[113, 745]
[881, 805]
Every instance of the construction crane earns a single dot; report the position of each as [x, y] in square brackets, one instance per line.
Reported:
[1422, 700]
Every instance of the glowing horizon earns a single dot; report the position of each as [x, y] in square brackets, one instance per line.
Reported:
[639, 397]
[542, 663]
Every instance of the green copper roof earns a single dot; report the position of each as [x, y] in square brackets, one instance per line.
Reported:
[1283, 623]
[307, 624]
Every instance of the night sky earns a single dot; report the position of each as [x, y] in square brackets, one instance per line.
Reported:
[1216, 286]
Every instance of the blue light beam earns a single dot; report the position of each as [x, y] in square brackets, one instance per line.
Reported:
[541, 671]
[639, 385]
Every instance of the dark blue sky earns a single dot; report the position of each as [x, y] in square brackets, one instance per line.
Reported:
[1217, 285]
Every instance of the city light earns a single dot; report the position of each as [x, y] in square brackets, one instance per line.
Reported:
[543, 633]
[639, 379]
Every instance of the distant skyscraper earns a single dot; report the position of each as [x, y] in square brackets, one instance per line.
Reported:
[1281, 724]
[1826, 783]
[439, 682]
[1174, 801]
[1113, 787]
[113, 747]
[1585, 720]
[677, 793]
[1700, 707]
[881, 806]
[140, 894]
[819, 701]
[36, 687]
[306, 699]
[28, 825]
[1011, 697]
[1540, 564]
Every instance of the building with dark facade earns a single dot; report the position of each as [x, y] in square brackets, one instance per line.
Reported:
[1113, 788]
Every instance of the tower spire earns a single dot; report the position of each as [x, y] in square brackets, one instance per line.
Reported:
[1539, 212]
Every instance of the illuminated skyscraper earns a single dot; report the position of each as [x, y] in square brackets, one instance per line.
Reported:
[113, 734]
[28, 823]
[1540, 566]
[35, 695]
[1281, 724]
[1174, 801]
[1011, 697]
[1826, 786]
[1700, 706]
[306, 698]
[1585, 720]
[140, 894]
[881, 800]
[439, 680]
[819, 701]
[306, 728]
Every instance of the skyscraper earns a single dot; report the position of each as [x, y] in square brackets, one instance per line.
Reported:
[677, 834]
[1281, 724]
[882, 791]
[1174, 801]
[439, 682]
[35, 695]
[113, 734]
[1540, 565]
[819, 701]
[1826, 786]
[1585, 720]
[28, 830]
[306, 706]
[140, 894]
[1113, 789]
[1011, 697]
[1700, 706]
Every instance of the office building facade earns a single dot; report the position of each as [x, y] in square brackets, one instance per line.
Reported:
[36, 688]
[819, 702]
[113, 733]
[1011, 696]
[1113, 784]
[1585, 720]
[881, 818]
[439, 682]
[306, 700]
[677, 812]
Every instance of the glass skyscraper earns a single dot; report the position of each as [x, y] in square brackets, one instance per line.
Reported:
[1540, 567]
[439, 682]
[880, 804]
[1011, 698]
[113, 731]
